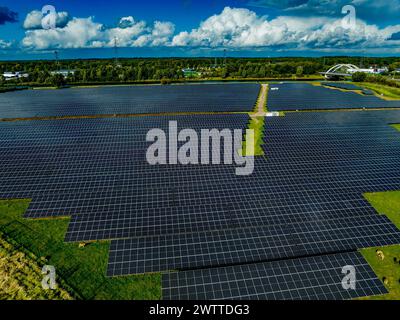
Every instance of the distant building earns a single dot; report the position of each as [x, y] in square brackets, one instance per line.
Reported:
[64, 72]
[371, 70]
[347, 70]
[15, 75]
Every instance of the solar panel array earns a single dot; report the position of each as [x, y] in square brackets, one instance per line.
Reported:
[348, 86]
[310, 278]
[367, 92]
[342, 85]
[303, 96]
[129, 100]
[244, 245]
[304, 197]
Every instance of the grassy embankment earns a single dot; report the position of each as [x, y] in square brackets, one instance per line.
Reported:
[10, 89]
[257, 124]
[382, 91]
[27, 245]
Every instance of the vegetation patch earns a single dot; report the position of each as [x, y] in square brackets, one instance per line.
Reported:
[382, 91]
[387, 203]
[257, 124]
[21, 277]
[385, 261]
[81, 270]
[396, 126]
[10, 89]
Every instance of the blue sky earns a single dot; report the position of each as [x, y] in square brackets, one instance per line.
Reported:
[87, 29]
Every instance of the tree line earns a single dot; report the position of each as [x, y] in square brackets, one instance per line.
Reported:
[170, 69]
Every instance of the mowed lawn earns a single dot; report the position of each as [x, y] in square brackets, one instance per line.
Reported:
[81, 270]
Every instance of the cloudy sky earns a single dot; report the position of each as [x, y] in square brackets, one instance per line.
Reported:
[200, 28]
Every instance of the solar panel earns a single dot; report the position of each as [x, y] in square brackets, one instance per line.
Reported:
[244, 245]
[342, 85]
[302, 96]
[310, 278]
[203, 217]
[367, 92]
[129, 100]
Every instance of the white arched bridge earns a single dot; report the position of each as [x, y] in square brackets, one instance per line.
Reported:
[340, 70]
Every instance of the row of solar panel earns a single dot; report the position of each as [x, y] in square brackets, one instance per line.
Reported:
[244, 245]
[129, 100]
[301, 96]
[342, 85]
[309, 278]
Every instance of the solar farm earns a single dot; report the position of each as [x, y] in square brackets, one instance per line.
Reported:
[283, 232]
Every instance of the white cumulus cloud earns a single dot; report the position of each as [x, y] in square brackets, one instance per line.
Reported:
[86, 33]
[238, 28]
[235, 28]
[5, 44]
[33, 20]
[78, 33]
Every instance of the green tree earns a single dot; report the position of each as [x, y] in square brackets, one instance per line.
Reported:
[359, 76]
[58, 80]
[299, 71]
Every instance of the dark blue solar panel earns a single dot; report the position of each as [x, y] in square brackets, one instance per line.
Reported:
[342, 85]
[303, 96]
[235, 246]
[310, 278]
[129, 100]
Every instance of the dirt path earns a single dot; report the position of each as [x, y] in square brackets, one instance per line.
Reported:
[261, 102]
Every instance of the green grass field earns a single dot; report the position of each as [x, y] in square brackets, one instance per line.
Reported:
[80, 270]
[21, 277]
[257, 124]
[382, 91]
